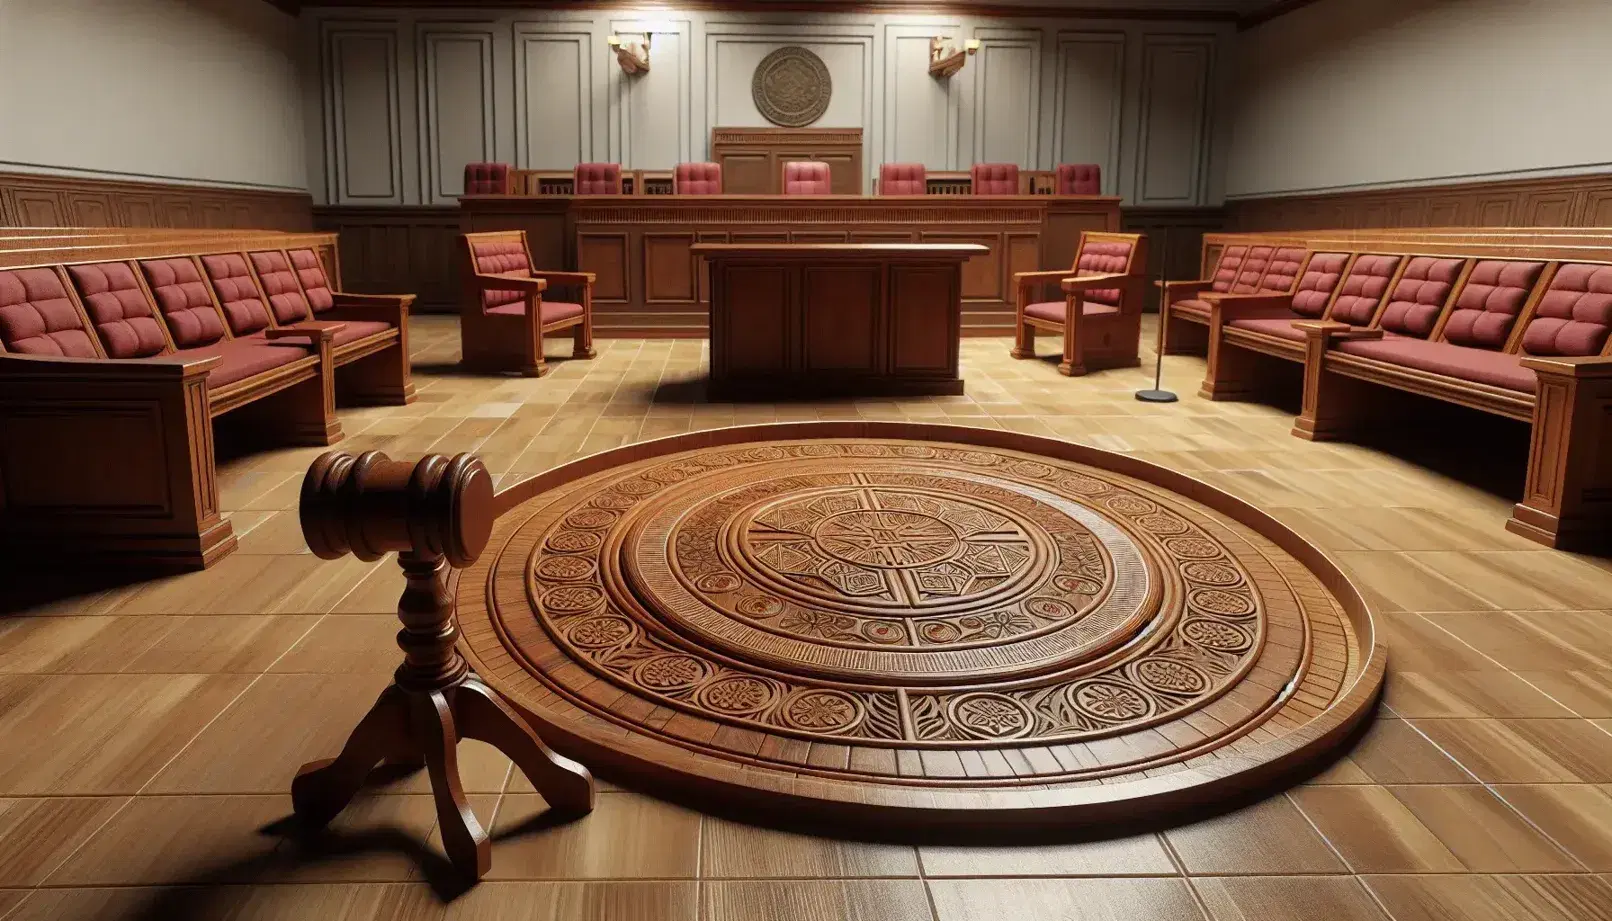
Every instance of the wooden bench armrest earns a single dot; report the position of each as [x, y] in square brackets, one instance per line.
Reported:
[348, 299]
[392, 309]
[1098, 282]
[1222, 310]
[1333, 331]
[314, 331]
[487, 282]
[1186, 288]
[1578, 367]
[44, 368]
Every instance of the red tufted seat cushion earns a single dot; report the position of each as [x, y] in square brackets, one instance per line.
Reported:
[994, 178]
[280, 284]
[244, 358]
[1418, 299]
[697, 179]
[596, 179]
[486, 178]
[1103, 257]
[1276, 322]
[1363, 290]
[1229, 267]
[1057, 311]
[1490, 302]
[1481, 366]
[1282, 269]
[37, 316]
[117, 305]
[237, 293]
[551, 312]
[806, 177]
[1575, 315]
[1079, 179]
[903, 179]
[183, 299]
[311, 273]
[1319, 281]
[353, 330]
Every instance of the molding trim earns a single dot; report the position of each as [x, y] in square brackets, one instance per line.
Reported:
[45, 200]
[1554, 201]
[892, 7]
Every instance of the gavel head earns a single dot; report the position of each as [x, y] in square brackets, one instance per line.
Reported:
[370, 506]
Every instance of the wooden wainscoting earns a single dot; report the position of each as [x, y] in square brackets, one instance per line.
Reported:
[1563, 201]
[395, 250]
[35, 200]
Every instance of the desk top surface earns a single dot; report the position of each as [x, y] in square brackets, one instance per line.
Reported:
[955, 250]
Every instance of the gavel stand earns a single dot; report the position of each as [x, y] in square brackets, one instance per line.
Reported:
[433, 513]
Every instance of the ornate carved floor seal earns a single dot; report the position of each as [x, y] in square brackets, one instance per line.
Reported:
[916, 626]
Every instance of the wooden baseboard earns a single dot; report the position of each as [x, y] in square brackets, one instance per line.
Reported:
[1557, 201]
[41, 200]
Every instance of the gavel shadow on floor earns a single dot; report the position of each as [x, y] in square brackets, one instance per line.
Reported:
[434, 513]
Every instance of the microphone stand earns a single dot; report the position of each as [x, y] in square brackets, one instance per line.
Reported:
[1157, 394]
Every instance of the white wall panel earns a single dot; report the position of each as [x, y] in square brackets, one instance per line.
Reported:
[652, 112]
[1007, 81]
[362, 128]
[920, 112]
[457, 106]
[1172, 146]
[554, 94]
[1089, 101]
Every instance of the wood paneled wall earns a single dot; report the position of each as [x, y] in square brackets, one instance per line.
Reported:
[38, 200]
[1573, 201]
[409, 96]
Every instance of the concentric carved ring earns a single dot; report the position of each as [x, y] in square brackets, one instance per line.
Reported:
[926, 627]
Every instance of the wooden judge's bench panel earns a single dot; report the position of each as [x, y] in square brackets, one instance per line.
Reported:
[651, 284]
[753, 159]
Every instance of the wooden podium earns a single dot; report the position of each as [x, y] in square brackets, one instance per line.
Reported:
[753, 158]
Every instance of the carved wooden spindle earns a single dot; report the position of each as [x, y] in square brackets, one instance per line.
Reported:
[434, 514]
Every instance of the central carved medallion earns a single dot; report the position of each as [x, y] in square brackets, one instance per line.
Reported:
[791, 87]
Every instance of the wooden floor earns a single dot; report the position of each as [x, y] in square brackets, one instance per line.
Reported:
[148, 732]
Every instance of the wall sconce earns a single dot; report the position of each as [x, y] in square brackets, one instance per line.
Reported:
[945, 59]
[633, 56]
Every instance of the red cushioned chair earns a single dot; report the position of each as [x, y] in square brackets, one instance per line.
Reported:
[487, 179]
[697, 179]
[994, 178]
[503, 316]
[806, 177]
[1100, 316]
[596, 179]
[1079, 179]
[903, 179]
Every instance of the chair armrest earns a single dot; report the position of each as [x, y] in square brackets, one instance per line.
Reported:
[1172, 291]
[1248, 303]
[566, 278]
[45, 368]
[384, 308]
[508, 283]
[1578, 367]
[1025, 279]
[314, 331]
[1097, 282]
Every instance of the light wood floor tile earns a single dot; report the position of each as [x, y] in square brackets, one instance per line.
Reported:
[1268, 837]
[1487, 835]
[1063, 900]
[100, 734]
[151, 643]
[812, 900]
[179, 839]
[1581, 746]
[1287, 898]
[36, 835]
[1576, 816]
[1394, 752]
[245, 583]
[627, 836]
[1141, 855]
[1493, 898]
[1468, 695]
[1516, 643]
[349, 643]
[1586, 693]
[1418, 645]
[1373, 831]
[729, 849]
[1494, 753]
[214, 903]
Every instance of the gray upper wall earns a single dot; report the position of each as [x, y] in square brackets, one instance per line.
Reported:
[188, 91]
[1345, 94]
[397, 101]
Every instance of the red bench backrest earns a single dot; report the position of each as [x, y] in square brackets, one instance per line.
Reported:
[1575, 315]
[1363, 289]
[119, 309]
[1320, 279]
[38, 316]
[184, 300]
[237, 293]
[281, 285]
[1419, 296]
[1490, 302]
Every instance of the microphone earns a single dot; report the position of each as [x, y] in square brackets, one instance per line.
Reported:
[1158, 394]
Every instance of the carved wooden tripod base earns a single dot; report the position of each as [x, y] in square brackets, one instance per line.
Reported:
[434, 512]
